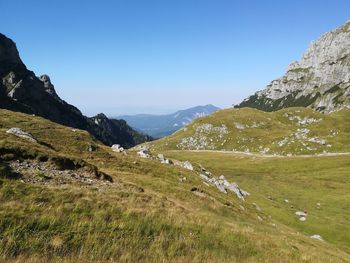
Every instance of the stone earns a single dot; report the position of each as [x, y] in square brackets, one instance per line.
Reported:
[302, 218]
[301, 214]
[117, 148]
[257, 207]
[144, 153]
[22, 134]
[161, 157]
[317, 237]
[91, 148]
[187, 165]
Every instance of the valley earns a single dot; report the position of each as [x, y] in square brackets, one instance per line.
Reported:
[266, 180]
[137, 204]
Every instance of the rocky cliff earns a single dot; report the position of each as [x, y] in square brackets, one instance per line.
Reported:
[21, 90]
[320, 80]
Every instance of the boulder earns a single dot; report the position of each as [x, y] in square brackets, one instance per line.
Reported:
[301, 214]
[22, 134]
[144, 151]
[317, 237]
[117, 148]
[187, 165]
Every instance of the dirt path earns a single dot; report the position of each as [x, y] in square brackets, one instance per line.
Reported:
[265, 155]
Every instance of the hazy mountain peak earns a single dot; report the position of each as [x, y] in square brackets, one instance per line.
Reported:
[162, 125]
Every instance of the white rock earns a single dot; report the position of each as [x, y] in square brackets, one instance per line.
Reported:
[301, 214]
[302, 218]
[161, 157]
[22, 134]
[143, 154]
[317, 237]
[117, 148]
[187, 165]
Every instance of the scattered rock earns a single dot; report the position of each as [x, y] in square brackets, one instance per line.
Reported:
[182, 179]
[22, 134]
[223, 185]
[302, 218]
[257, 207]
[144, 152]
[164, 160]
[286, 200]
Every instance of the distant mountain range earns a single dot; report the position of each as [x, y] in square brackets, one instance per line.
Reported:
[21, 90]
[159, 126]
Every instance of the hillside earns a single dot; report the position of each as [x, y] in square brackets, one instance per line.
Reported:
[21, 90]
[159, 126]
[65, 197]
[292, 131]
[282, 186]
[320, 80]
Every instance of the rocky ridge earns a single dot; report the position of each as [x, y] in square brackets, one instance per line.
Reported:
[21, 90]
[320, 80]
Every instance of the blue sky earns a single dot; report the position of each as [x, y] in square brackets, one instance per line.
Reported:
[156, 56]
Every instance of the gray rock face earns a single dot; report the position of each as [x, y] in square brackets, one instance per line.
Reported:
[21, 90]
[49, 87]
[320, 80]
[9, 55]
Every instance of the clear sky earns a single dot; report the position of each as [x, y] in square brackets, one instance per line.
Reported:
[156, 56]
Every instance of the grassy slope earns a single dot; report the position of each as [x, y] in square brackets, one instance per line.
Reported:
[146, 215]
[304, 181]
[264, 132]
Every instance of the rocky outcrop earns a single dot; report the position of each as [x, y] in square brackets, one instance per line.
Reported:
[22, 134]
[320, 80]
[21, 90]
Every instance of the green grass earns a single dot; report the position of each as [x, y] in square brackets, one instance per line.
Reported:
[304, 181]
[264, 132]
[146, 215]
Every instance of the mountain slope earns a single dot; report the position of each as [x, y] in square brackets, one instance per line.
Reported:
[159, 126]
[62, 202]
[288, 131]
[320, 80]
[21, 90]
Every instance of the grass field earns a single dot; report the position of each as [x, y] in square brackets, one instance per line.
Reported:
[318, 184]
[147, 214]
